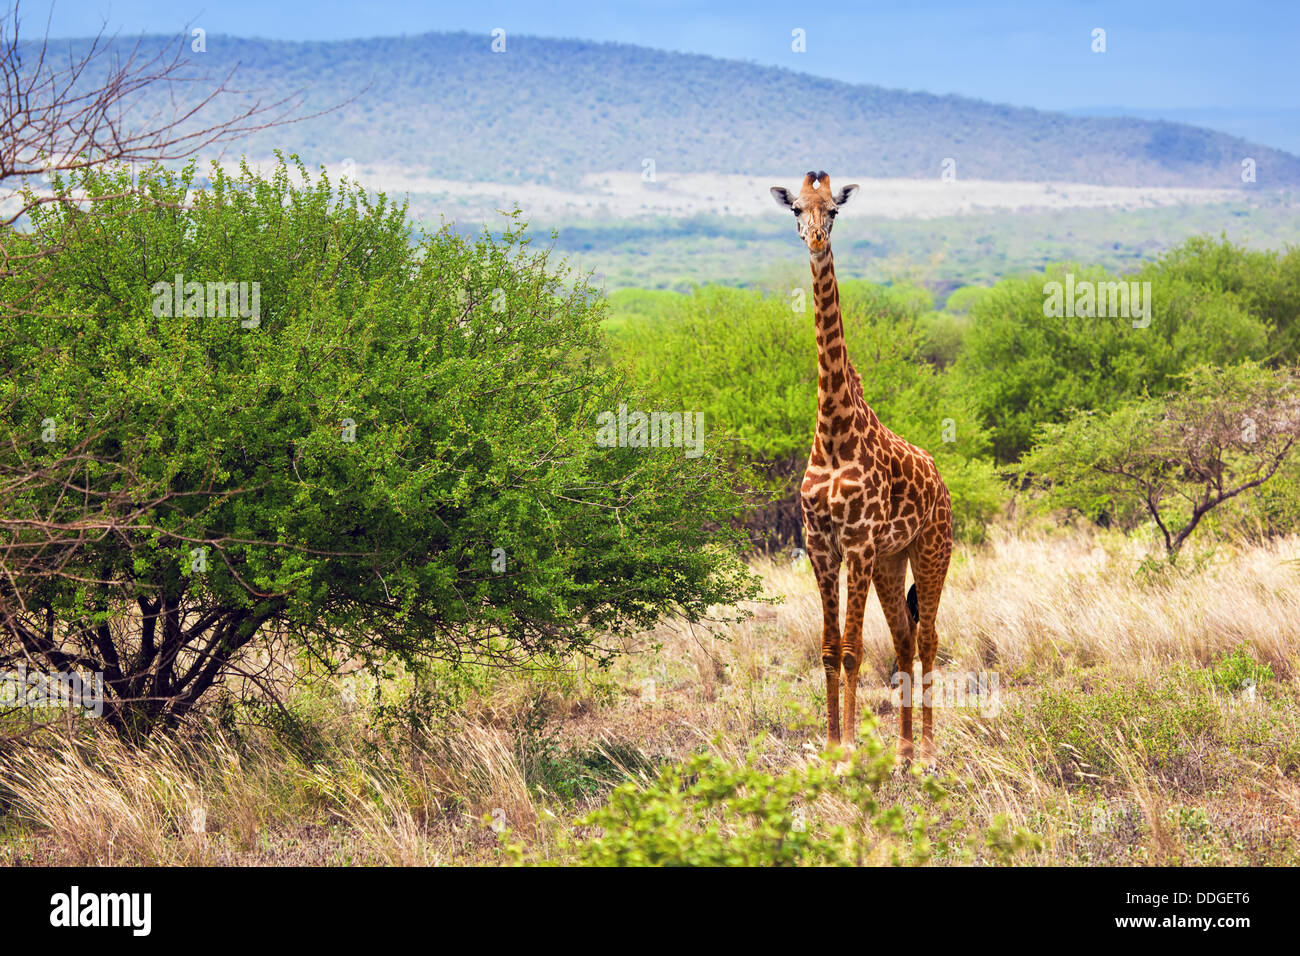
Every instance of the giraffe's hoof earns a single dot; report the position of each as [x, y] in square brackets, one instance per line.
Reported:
[929, 760]
[842, 768]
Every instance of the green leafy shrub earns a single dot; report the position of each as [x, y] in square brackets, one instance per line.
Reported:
[1232, 672]
[712, 811]
[1162, 720]
[1023, 370]
[1222, 436]
[397, 455]
[1265, 282]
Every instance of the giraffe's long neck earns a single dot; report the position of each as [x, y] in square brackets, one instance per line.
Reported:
[834, 371]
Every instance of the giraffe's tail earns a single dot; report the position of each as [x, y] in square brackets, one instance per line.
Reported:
[913, 609]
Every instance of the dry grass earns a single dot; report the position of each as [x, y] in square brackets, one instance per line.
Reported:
[1120, 735]
[205, 799]
[1042, 602]
[106, 803]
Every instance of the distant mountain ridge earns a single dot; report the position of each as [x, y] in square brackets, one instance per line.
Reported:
[549, 111]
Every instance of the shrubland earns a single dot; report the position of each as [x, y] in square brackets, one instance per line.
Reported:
[367, 589]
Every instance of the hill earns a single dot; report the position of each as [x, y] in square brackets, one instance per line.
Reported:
[551, 111]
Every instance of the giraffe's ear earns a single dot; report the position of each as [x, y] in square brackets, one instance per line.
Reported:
[845, 194]
[782, 196]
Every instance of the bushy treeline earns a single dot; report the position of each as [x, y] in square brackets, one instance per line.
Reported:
[1213, 303]
[978, 382]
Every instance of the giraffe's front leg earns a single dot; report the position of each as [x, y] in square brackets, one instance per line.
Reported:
[860, 561]
[831, 661]
[825, 560]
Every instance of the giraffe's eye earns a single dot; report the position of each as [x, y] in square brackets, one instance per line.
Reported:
[832, 212]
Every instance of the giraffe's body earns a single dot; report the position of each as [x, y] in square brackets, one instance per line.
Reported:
[871, 501]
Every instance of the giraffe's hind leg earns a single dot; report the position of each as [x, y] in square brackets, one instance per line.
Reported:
[890, 576]
[930, 555]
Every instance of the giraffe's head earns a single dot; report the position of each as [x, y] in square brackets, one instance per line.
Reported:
[814, 208]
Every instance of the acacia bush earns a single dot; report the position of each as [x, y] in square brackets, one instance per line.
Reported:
[396, 455]
[1222, 436]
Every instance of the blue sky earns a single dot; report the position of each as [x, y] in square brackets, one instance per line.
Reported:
[1229, 65]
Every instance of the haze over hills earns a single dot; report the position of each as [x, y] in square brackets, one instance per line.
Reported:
[551, 111]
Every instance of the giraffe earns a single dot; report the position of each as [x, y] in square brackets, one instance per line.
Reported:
[870, 500]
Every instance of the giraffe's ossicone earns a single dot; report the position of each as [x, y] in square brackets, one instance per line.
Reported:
[871, 501]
